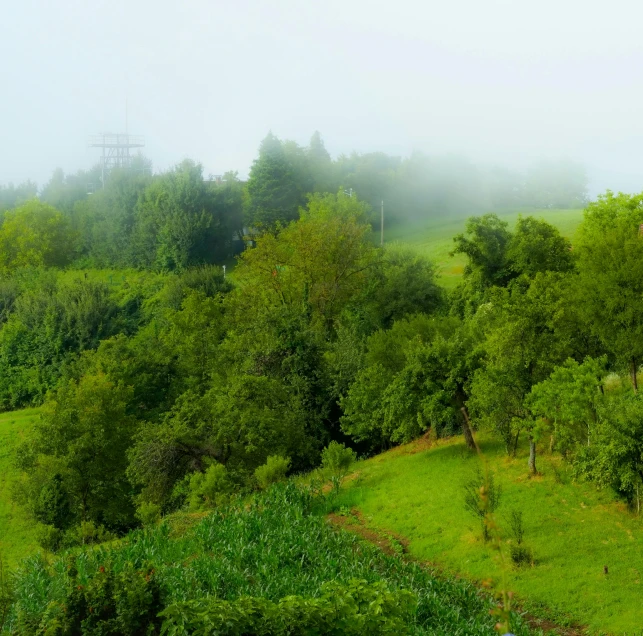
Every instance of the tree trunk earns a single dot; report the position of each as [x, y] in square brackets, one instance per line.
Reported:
[532, 457]
[635, 384]
[515, 444]
[466, 429]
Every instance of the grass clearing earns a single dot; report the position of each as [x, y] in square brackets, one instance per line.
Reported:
[434, 237]
[573, 529]
[17, 536]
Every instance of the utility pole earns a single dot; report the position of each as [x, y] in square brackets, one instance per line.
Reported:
[382, 225]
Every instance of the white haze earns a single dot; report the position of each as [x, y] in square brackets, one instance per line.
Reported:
[505, 82]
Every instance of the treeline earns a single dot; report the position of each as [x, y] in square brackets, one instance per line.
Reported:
[179, 218]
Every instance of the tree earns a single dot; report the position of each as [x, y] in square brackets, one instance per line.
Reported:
[274, 193]
[178, 222]
[318, 264]
[106, 221]
[609, 250]
[13, 195]
[523, 345]
[337, 460]
[406, 284]
[485, 243]
[536, 246]
[571, 399]
[35, 234]
[616, 459]
[83, 438]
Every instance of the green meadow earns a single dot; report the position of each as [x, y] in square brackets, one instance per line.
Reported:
[573, 529]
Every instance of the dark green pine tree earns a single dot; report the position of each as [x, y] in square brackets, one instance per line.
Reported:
[274, 194]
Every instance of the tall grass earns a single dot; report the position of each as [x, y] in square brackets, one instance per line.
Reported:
[274, 546]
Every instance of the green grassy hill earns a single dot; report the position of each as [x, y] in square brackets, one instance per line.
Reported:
[17, 537]
[573, 529]
[434, 237]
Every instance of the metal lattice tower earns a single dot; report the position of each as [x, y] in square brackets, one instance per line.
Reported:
[116, 149]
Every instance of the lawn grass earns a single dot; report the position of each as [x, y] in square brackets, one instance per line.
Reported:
[573, 529]
[434, 237]
[17, 535]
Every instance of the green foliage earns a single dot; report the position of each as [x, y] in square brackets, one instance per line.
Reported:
[571, 398]
[481, 498]
[273, 471]
[485, 244]
[516, 525]
[615, 459]
[609, 250]
[149, 514]
[356, 608]
[211, 488]
[52, 505]
[35, 234]
[82, 441]
[337, 460]
[274, 190]
[521, 555]
[289, 552]
[113, 601]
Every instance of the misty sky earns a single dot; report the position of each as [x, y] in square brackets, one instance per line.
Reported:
[499, 81]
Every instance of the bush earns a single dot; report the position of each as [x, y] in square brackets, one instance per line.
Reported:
[272, 471]
[149, 514]
[517, 527]
[87, 533]
[337, 460]
[521, 555]
[353, 609]
[482, 498]
[49, 537]
[210, 489]
[109, 603]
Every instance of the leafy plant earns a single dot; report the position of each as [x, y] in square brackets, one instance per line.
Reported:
[272, 471]
[482, 498]
[337, 460]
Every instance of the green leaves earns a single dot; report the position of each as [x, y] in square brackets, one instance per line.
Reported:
[352, 609]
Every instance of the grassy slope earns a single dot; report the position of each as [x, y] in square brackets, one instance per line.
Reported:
[435, 237]
[573, 529]
[16, 530]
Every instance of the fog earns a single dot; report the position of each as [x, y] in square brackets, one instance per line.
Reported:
[503, 82]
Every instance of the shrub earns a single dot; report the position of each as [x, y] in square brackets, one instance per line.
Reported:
[482, 498]
[211, 488]
[353, 609]
[521, 555]
[149, 514]
[49, 537]
[87, 533]
[517, 527]
[272, 471]
[109, 603]
[337, 460]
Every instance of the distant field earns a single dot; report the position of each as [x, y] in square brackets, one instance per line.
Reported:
[573, 529]
[435, 237]
[17, 537]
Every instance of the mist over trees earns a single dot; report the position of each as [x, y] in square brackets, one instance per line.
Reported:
[198, 380]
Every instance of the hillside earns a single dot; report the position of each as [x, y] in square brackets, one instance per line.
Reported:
[434, 238]
[573, 528]
[271, 547]
[16, 529]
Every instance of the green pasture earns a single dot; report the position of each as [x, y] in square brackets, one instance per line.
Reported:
[434, 237]
[573, 529]
[17, 535]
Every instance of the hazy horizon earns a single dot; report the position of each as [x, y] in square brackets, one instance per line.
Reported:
[501, 82]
